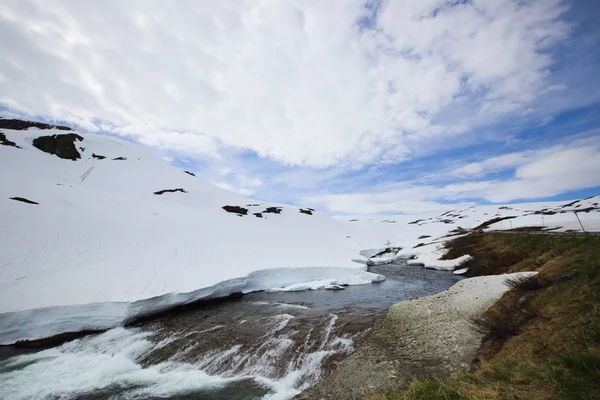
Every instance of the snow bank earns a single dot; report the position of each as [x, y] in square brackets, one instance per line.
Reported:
[431, 261]
[48, 321]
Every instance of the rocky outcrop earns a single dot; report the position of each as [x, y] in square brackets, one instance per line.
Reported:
[24, 200]
[6, 142]
[120, 159]
[61, 145]
[98, 156]
[241, 211]
[272, 210]
[20, 125]
[160, 192]
[190, 173]
[306, 211]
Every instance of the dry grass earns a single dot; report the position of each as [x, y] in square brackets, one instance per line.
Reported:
[524, 283]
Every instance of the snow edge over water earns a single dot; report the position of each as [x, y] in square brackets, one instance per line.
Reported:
[46, 322]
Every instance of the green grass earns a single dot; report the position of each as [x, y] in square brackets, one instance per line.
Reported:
[568, 377]
[552, 351]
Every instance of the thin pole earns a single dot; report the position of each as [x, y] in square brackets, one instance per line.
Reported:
[582, 228]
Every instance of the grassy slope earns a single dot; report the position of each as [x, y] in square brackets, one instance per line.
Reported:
[553, 350]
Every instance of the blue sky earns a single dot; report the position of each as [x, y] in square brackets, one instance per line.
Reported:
[391, 106]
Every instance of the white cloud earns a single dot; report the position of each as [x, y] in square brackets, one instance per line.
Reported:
[539, 174]
[299, 82]
[494, 164]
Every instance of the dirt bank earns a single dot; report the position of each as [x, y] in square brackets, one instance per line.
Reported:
[428, 337]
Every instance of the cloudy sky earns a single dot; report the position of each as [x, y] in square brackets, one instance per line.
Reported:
[351, 106]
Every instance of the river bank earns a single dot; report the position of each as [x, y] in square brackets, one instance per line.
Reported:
[427, 337]
[539, 341]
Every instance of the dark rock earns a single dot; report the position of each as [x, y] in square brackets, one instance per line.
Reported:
[82, 149]
[6, 142]
[252, 205]
[258, 215]
[98, 156]
[61, 145]
[424, 236]
[120, 159]
[160, 192]
[24, 200]
[20, 125]
[236, 210]
[492, 221]
[416, 221]
[190, 173]
[306, 211]
[272, 210]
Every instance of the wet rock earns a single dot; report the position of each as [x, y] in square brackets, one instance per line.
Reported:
[24, 200]
[20, 125]
[160, 192]
[61, 145]
[6, 142]
[241, 211]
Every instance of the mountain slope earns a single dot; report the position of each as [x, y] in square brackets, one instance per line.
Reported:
[108, 230]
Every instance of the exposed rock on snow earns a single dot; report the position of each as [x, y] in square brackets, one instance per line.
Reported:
[236, 210]
[306, 211]
[431, 336]
[6, 142]
[62, 145]
[160, 192]
[19, 125]
[24, 200]
[190, 173]
[493, 221]
[98, 156]
[120, 159]
[272, 210]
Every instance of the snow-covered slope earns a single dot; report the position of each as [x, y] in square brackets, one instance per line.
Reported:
[101, 235]
[422, 237]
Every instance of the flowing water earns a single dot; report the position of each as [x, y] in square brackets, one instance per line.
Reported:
[259, 346]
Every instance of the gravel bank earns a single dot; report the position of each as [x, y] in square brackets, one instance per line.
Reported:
[426, 337]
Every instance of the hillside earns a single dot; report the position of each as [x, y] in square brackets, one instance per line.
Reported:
[93, 219]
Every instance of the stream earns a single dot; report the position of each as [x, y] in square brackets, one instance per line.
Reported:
[260, 346]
